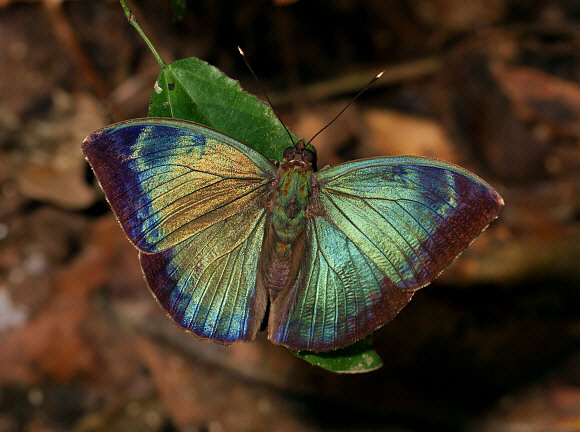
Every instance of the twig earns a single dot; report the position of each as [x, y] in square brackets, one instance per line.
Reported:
[133, 21]
[354, 82]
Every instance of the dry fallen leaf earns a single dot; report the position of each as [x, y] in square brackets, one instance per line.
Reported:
[53, 343]
[60, 180]
[176, 382]
[539, 96]
[393, 133]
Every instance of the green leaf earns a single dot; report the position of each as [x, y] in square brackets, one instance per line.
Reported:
[191, 89]
[356, 358]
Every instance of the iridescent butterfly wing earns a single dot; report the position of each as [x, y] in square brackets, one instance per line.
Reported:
[379, 230]
[189, 199]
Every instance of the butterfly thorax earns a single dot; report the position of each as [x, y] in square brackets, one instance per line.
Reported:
[294, 188]
[284, 240]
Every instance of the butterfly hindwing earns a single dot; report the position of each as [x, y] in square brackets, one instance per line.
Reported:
[189, 199]
[383, 228]
[339, 297]
[207, 283]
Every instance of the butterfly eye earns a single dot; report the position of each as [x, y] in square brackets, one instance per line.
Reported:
[289, 153]
[309, 156]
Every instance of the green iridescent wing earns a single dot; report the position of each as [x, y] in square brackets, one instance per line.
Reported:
[380, 229]
[189, 199]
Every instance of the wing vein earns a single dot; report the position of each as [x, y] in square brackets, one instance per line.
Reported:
[367, 237]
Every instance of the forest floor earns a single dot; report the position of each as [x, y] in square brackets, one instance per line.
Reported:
[492, 345]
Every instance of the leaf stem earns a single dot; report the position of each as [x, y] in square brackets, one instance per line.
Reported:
[133, 21]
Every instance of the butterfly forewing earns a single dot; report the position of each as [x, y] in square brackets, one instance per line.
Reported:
[191, 199]
[167, 179]
[383, 228]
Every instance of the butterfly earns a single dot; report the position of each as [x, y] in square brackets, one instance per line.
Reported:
[230, 241]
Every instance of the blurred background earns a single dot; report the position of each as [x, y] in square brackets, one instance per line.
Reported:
[491, 345]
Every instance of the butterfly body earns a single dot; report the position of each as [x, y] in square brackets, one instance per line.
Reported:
[293, 195]
[290, 205]
[222, 231]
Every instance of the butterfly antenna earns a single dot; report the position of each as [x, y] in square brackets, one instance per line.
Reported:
[266, 95]
[370, 83]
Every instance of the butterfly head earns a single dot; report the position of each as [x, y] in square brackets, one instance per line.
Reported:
[301, 156]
